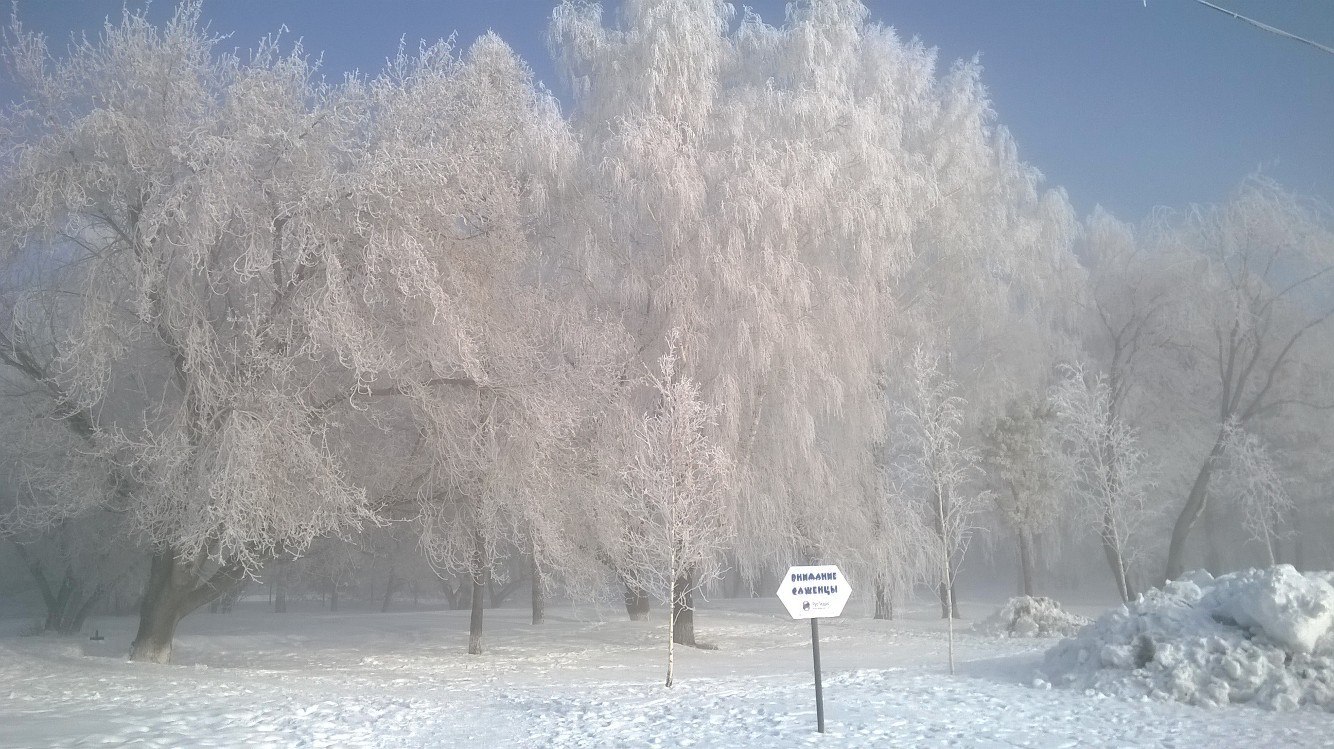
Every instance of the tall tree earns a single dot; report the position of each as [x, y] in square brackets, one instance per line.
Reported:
[243, 258]
[1023, 448]
[1266, 263]
[178, 330]
[1108, 467]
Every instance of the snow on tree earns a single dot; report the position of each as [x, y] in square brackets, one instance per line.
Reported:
[1250, 479]
[945, 471]
[1133, 309]
[1109, 477]
[1024, 450]
[899, 545]
[1266, 280]
[508, 374]
[676, 485]
[698, 222]
[765, 189]
[242, 258]
[160, 182]
[1300, 449]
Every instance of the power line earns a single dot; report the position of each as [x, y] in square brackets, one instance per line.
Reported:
[1266, 27]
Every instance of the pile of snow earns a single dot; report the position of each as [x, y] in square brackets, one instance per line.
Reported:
[1032, 616]
[1260, 636]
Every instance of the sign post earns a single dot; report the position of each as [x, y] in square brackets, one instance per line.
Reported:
[814, 592]
[819, 693]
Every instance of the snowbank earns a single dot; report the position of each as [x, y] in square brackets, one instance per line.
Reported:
[1032, 616]
[1260, 636]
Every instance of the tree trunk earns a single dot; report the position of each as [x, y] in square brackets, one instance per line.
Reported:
[81, 615]
[333, 596]
[948, 590]
[66, 608]
[1298, 541]
[58, 602]
[671, 643]
[636, 603]
[737, 584]
[1111, 549]
[1026, 561]
[174, 590]
[949, 607]
[1117, 563]
[158, 617]
[949, 603]
[389, 586]
[478, 588]
[1213, 556]
[683, 610]
[884, 603]
[451, 594]
[475, 621]
[538, 611]
[55, 613]
[1195, 501]
[280, 588]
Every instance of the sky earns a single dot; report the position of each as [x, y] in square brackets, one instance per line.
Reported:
[1130, 104]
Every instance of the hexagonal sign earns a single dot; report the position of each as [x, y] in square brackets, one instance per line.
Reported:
[814, 591]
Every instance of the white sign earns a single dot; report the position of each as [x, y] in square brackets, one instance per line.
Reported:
[814, 591]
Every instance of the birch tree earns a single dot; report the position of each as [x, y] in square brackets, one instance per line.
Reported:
[945, 470]
[1250, 479]
[1108, 466]
[677, 478]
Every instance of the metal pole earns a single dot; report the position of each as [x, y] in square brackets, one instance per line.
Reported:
[819, 694]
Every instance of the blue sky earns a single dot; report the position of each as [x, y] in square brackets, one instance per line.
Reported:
[1122, 104]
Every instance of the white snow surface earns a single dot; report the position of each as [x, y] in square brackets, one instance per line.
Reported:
[586, 678]
[1260, 636]
[1032, 616]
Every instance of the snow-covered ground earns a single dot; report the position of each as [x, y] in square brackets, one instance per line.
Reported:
[586, 678]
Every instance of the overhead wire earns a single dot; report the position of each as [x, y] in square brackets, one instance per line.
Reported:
[1266, 27]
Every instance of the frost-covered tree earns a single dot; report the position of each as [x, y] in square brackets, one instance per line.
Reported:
[1024, 451]
[75, 565]
[1109, 476]
[681, 520]
[238, 259]
[766, 189]
[899, 549]
[1133, 309]
[1250, 479]
[1265, 262]
[518, 364]
[332, 566]
[944, 470]
[701, 214]
[176, 331]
